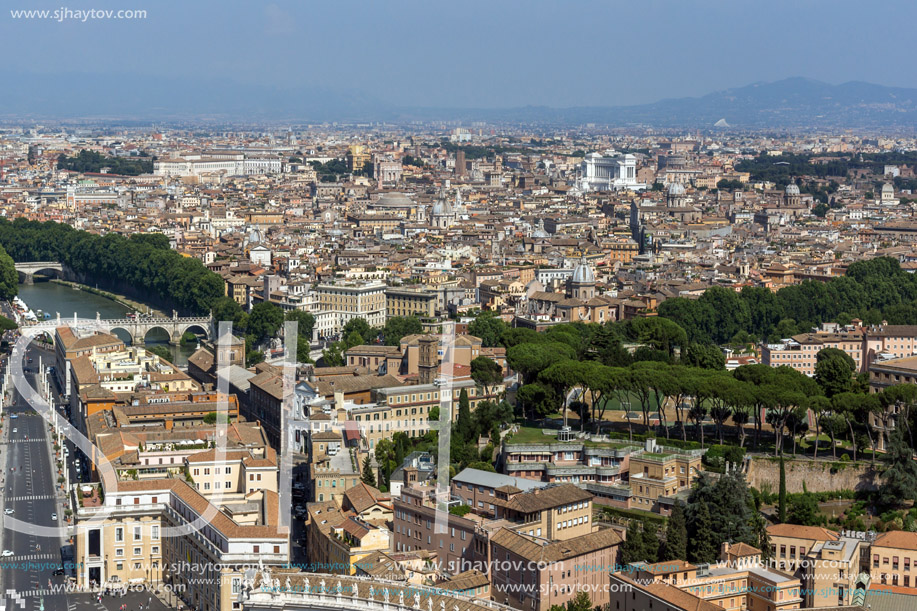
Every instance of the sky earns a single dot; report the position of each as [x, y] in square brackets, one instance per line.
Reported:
[465, 53]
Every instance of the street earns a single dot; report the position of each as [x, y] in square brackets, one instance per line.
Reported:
[30, 490]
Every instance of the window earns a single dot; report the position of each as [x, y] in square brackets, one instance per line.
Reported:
[138, 551]
[119, 551]
[155, 550]
[256, 549]
[119, 535]
[138, 533]
[155, 533]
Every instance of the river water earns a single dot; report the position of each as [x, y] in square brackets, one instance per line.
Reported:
[52, 298]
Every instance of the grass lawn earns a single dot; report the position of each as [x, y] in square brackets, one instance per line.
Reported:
[612, 403]
[528, 434]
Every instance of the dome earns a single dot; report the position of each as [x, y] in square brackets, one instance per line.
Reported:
[442, 207]
[792, 189]
[888, 188]
[540, 231]
[676, 189]
[394, 200]
[583, 273]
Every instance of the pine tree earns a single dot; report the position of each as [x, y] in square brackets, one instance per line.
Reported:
[676, 535]
[651, 542]
[781, 501]
[705, 545]
[368, 477]
[632, 550]
[464, 426]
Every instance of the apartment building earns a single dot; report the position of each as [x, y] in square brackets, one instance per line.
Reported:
[478, 489]
[831, 575]
[791, 543]
[658, 472]
[864, 344]
[410, 302]
[738, 582]
[204, 565]
[893, 560]
[461, 546]
[338, 539]
[70, 343]
[349, 300]
[530, 572]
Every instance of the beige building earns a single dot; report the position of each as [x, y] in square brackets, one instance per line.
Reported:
[348, 300]
[410, 302]
[893, 560]
[204, 566]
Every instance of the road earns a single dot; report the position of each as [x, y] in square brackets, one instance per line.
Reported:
[30, 489]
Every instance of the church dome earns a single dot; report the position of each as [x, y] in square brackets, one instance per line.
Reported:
[540, 232]
[442, 207]
[583, 273]
[792, 189]
[676, 189]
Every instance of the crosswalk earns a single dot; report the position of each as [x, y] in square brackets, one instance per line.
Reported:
[29, 558]
[31, 497]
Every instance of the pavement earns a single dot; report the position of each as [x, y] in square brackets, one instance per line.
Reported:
[29, 488]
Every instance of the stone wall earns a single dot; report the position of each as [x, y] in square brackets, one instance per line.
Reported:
[818, 475]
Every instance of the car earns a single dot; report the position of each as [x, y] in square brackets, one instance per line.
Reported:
[9, 511]
[58, 572]
[15, 430]
[54, 517]
[7, 553]
[14, 415]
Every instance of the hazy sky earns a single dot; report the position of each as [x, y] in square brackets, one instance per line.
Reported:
[472, 53]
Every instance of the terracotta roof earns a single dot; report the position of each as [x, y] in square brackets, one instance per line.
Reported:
[899, 539]
[536, 551]
[541, 499]
[813, 533]
[675, 597]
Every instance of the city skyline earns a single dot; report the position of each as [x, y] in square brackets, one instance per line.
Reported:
[417, 55]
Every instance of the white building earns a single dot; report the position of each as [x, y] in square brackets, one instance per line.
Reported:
[613, 173]
[229, 163]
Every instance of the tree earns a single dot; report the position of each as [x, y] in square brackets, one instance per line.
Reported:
[717, 511]
[161, 351]
[226, 308]
[781, 499]
[368, 477]
[488, 327]
[580, 602]
[705, 356]
[834, 371]
[359, 326]
[305, 323]
[9, 277]
[650, 541]
[486, 372]
[804, 510]
[464, 427]
[397, 327]
[264, 320]
[899, 479]
[702, 543]
[676, 534]
[632, 549]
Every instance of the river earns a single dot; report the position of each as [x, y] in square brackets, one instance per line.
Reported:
[52, 298]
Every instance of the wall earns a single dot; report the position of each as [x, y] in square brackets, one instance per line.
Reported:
[818, 475]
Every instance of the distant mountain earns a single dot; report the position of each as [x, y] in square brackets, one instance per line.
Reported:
[790, 103]
[793, 103]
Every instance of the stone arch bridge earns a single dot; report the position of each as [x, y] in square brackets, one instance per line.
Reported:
[28, 269]
[138, 327]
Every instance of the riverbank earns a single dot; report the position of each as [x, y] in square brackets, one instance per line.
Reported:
[123, 300]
